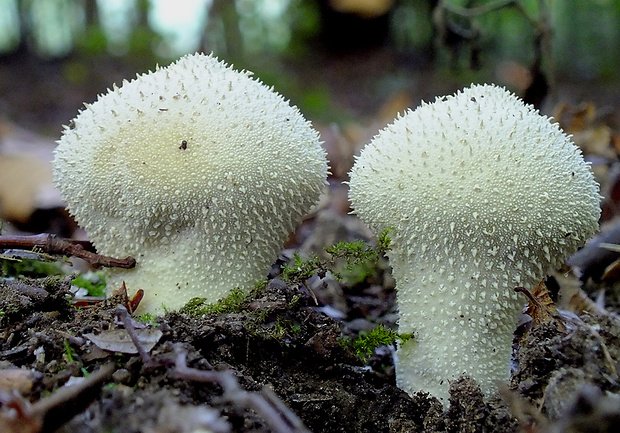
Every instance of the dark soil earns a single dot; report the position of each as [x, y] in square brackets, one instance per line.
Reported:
[278, 364]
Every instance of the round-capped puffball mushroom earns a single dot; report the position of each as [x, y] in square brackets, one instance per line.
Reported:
[483, 194]
[198, 171]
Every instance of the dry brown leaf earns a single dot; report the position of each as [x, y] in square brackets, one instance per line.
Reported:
[18, 379]
[615, 142]
[25, 173]
[118, 340]
[574, 118]
[588, 128]
[540, 307]
[23, 180]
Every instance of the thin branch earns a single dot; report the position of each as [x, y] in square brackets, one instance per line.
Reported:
[67, 402]
[51, 244]
[266, 403]
[49, 413]
[124, 316]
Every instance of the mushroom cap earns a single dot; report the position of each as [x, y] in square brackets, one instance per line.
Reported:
[482, 171]
[197, 170]
[483, 194]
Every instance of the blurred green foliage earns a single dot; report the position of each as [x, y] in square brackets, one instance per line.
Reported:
[93, 282]
[25, 266]
[585, 34]
[335, 64]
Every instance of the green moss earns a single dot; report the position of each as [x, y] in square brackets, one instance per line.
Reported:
[51, 283]
[360, 262]
[69, 353]
[260, 285]
[294, 300]
[235, 302]
[367, 342]
[384, 241]
[300, 270]
[147, 318]
[271, 322]
[71, 357]
[31, 265]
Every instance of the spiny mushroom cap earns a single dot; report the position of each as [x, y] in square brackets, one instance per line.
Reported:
[483, 194]
[198, 171]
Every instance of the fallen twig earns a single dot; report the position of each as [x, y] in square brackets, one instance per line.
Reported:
[51, 244]
[265, 403]
[17, 415]
[124, 316]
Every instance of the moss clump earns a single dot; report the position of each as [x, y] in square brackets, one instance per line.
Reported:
[360, 262]
[148, 318]
[232, 303]
[236, 301]
[300, 270]
[364, 345]
[359, 252]
[28, 264]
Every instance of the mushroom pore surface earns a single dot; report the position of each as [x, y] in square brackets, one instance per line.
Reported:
[196, 170]
[483, 194]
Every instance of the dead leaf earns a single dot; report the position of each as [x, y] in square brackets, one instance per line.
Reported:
[612, 272]
[574, 118]
[17, 416]
[118, 340]
[23, 180]
[25, 173]
[588, 127]
[540, 307]
[18, 379]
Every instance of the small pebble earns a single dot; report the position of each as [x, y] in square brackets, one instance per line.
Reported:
[121, 376]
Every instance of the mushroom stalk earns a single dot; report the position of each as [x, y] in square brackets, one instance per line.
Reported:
[483, 194]
[462, 320]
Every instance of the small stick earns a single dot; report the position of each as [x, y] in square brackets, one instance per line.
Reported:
[266, 403]
[51, 244]
[49, 413]
[67, 402]
[124, 316]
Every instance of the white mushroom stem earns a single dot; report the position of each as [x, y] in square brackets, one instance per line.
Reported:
[483, 194]
[462, 318]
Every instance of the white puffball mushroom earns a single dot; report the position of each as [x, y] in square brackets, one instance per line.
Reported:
[483, 194]
[198, 171]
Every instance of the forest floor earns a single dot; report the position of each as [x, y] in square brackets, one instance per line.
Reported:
[280, 359]
[275, 361]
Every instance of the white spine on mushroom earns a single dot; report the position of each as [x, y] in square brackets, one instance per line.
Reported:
[196, 170]
[483, 194]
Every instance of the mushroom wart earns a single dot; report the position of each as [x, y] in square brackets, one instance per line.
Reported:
[196, 170]
[483, 194]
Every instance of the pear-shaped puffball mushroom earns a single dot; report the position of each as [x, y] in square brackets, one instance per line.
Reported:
[198, 171]
[483, 194]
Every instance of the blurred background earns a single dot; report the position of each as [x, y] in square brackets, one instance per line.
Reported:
[350, 65]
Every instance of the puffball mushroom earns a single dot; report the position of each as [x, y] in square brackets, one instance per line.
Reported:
[483, 194]
[198, 171]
